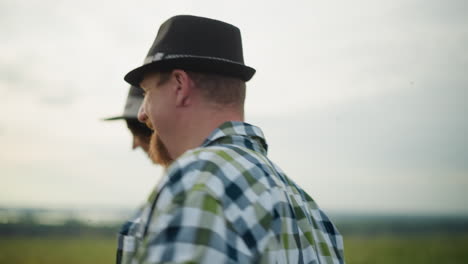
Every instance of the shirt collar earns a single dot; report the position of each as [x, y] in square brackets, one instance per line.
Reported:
[238, 133]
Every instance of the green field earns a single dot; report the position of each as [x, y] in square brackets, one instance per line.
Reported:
[57, 250]
[359, 249]
[446, 249]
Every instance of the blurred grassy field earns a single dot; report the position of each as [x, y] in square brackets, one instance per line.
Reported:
[55, 250]
[449, 249]
[359, 249]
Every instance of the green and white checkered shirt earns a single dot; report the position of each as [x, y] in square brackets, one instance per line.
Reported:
[226, 202]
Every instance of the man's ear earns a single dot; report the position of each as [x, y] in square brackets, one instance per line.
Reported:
[183, 88]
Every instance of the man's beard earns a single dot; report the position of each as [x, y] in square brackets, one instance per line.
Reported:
[158, 152]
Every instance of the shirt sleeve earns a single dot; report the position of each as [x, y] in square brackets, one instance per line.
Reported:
[192, 228]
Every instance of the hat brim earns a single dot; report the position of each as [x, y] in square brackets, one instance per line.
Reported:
[113, 118]
[205, 65]
[118, 118]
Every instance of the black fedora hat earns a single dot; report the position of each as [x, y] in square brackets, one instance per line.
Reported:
[132, 105]
[195, 44]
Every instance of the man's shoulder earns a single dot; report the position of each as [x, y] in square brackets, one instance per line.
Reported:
[210, 157]
[215, 169]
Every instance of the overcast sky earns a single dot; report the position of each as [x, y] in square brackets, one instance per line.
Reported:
[363, 103]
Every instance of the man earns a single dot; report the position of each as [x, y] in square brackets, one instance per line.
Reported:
[222, 200]
[140, 132]
[142, 136]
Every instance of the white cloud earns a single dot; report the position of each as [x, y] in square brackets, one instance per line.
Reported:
[355, 83]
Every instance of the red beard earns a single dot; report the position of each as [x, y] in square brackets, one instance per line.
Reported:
[158, 152]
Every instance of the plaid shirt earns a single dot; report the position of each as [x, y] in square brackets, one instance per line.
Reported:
[226, 202]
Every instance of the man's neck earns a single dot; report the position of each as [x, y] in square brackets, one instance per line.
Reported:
[195, 129]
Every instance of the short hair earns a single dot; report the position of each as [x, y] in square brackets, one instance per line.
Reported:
[218, 89]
